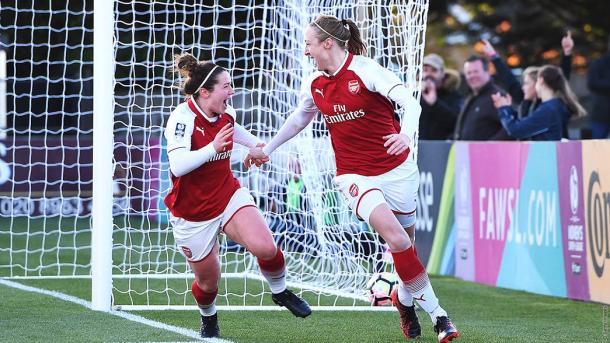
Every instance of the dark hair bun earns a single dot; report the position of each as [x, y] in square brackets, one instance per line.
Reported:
[187, 63]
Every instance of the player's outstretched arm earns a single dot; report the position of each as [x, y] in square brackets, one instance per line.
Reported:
[243, 137]
[294, 124]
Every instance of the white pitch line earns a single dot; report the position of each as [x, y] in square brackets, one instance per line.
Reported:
[125, 315]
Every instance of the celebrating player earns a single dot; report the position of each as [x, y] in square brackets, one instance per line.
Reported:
[375, 172]
[206, 198]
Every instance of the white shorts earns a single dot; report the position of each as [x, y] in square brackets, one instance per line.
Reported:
[398, 188]
[196, 239]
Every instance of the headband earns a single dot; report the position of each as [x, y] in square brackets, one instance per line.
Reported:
[328, 33]
[206, 79]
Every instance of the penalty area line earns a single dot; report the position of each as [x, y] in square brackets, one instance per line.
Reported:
[124, 315]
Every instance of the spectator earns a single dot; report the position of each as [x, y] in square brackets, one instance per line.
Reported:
[478, 120]
[530, 98]
[567, 45]
[296, 200]
[503, 73]
[548, 120]
[440, 100]
[599, 84]
[525, 95]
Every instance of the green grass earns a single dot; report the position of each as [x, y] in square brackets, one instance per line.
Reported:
[481, 313]
[29, 317]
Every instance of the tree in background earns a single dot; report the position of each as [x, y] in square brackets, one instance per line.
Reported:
[527, 32]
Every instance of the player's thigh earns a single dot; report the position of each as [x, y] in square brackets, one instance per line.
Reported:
[207, 270]
[195, 239]
[400, 187]
[244, 224]
[361, 193]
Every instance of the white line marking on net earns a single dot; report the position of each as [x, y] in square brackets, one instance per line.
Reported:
[124, 315]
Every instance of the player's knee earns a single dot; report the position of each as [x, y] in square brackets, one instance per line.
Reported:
[398, 241]
[264, 250]
[207, 285]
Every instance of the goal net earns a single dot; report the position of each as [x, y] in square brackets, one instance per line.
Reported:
[45, 202]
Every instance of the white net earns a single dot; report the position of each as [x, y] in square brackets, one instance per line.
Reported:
[330, 254]
[45, 148]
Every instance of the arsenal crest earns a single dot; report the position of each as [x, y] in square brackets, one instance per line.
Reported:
[353, 190]
[187, 252]
[353, 86]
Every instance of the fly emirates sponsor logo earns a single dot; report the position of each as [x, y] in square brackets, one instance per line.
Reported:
[341, 114]
[221, 156]
[540, 227]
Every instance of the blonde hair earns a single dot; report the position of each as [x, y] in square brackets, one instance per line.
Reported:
[532, 72]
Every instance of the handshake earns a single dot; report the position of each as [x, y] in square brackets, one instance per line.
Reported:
[256, 156]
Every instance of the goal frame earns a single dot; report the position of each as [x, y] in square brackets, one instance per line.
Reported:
[101, 215]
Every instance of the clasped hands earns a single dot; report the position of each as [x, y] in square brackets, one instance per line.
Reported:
[256, 156]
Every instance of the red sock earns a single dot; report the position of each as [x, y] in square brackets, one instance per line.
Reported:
[273, 265]
[201, 297]
[408, 266]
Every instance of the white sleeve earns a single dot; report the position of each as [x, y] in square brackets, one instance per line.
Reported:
[244, 137]
[178, 134]
[375, 77]
[182, 161]
[297, 120]
[383, 81]
[410, 108]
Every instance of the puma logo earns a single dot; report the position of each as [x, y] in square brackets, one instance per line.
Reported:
[317, 90]
[200, 129]
[421, 298]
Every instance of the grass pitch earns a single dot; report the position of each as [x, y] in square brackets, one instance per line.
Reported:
[62, 246]
[481, 313]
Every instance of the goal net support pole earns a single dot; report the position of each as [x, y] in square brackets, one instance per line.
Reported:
[103, 120]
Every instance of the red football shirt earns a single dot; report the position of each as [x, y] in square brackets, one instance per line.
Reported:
[358, 114]
[203, 193]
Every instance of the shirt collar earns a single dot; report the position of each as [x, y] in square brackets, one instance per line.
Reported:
[198, 111]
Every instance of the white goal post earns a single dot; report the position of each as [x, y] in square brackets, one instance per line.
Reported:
[102, 214]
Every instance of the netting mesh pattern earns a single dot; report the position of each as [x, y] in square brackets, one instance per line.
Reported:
[46, 111]
[260, 43]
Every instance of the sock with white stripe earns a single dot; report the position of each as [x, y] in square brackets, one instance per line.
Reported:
[274, 271]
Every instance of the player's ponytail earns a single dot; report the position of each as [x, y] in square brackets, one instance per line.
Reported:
[344, 32]
[196, 74]
[355, 45]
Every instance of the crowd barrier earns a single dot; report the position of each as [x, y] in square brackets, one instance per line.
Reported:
[534, 216]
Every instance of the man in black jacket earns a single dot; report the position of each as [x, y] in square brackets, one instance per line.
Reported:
[440, 100]
[478, 120]
[599, 84]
